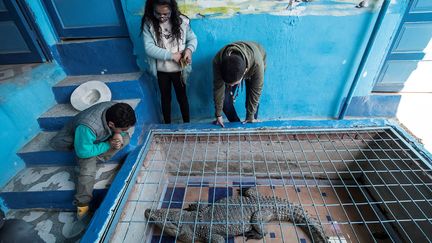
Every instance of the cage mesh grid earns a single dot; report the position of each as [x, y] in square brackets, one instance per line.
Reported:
[360, 185]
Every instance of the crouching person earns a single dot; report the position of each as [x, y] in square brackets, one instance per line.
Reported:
[94, 134]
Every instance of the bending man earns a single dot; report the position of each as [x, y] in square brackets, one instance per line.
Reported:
[239, 63]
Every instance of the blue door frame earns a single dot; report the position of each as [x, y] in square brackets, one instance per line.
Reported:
[406, 51]
[74, 19]
[18, 43]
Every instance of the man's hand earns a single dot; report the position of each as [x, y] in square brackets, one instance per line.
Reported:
[250, 121]
[187, 55]
[116, 141]
[219, 121]
[176, 57]
[119, 137]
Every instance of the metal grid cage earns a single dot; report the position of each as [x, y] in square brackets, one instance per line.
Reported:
[363, 185]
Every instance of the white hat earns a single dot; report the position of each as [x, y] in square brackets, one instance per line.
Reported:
[90, 93]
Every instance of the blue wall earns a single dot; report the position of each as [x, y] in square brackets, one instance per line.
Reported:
[23, 99]
[308, 61]
[365, 103]
[382, 44]
[311, 59]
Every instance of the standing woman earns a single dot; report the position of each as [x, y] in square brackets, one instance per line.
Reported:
[169, 42]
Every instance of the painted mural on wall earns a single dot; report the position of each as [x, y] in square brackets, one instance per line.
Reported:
[228, 8]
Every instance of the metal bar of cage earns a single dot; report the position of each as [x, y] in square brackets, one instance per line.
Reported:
[303, 177]
[343, 181]
[368, 199]
[319, 160]
[383, 200]
[415, 203]
[337, 196]
[159, 184]
[202, 180]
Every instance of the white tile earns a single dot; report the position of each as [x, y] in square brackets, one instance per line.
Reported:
[135, 233]
[119, 233]
[128, 211]
[135, 192]
[150, 192]
[150, 177]
[138, 215]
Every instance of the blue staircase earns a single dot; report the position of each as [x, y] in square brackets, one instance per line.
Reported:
[48, 181]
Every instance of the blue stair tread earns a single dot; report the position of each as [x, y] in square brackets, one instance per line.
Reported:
[106, 78]
[56, 178]
[67, 110]
[40, 143]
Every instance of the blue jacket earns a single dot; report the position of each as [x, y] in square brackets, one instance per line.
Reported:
[155, 52]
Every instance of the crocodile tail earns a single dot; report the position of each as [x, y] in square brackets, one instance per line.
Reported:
[298, 215]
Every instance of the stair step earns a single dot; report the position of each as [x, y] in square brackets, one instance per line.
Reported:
[94, 56]
[122, 86]
[39, 152]
[56, 117]
[52, 186]
[50, 225]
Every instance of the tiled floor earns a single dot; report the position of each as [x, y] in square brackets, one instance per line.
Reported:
[348, 181]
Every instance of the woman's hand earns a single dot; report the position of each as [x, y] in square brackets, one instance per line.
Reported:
[187, 55]
[176, 57]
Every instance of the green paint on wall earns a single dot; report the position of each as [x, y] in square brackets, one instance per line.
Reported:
[192, 10]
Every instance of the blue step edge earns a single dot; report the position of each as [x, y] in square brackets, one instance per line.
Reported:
[48, 199]
[57, 123]
[66, 158]
[120, 90]
[53, 123]
[108, 55]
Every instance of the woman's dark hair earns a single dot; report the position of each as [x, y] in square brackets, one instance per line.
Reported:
[121, 114]
[175, 19]
[232, 68]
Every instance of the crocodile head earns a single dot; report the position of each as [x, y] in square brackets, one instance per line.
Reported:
[169, 221]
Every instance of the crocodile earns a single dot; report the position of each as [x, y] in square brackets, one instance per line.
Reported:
[233, 216]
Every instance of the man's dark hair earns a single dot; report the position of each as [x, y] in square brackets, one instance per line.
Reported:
[121, 114]
[232, 68]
